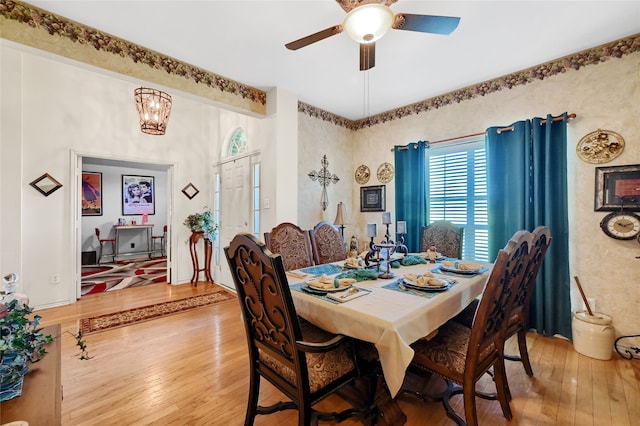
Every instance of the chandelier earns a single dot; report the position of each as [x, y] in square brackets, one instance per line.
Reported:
[154, 107]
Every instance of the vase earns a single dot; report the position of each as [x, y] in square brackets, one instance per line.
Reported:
[12, 371]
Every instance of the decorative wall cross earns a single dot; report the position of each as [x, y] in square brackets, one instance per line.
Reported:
[324, 177]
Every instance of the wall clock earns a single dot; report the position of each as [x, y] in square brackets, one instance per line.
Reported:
[621, 225]
[600, 146]
[362, 174]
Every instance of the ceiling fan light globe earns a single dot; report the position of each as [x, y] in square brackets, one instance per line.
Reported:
[368, 23]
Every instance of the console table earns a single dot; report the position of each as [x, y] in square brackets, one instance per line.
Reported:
[137, 228]
[41, 399]
[208, 250]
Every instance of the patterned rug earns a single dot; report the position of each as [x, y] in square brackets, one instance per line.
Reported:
[146, 313]
[116, 276]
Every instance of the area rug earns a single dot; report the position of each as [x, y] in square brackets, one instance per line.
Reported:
[116, 276]
[146, 313]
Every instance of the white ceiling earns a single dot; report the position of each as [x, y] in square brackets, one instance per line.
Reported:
[244, 40]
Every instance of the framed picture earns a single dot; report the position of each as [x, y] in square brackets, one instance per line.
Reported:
[91, 194]
[138, 195]
[617, 188]
[46, 184]
[372, 198]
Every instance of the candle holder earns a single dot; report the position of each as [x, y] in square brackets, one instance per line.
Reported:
[400, 247]
[373, 255]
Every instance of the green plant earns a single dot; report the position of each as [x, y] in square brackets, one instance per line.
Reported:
[22, 340]
[202, 222]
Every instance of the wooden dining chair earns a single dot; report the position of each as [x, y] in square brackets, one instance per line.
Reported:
[102, 242]
[462, 355]
[445, 236]
[292, 243]
[304, 362]
[327, 243]
[519, 311]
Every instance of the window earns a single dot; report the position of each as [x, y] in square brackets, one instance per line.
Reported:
[457, 192]
[238, 143]
[216, 215]
[255, 189]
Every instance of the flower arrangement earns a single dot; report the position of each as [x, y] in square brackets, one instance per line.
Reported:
[202, 222]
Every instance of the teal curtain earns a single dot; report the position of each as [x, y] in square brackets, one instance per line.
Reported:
[527, 187]
[411, 190]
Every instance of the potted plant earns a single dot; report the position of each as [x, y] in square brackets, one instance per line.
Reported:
[202, 222]
[22, 342]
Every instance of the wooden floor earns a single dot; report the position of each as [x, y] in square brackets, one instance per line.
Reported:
[191, 369]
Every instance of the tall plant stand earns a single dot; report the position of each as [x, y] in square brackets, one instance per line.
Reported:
[208, 250]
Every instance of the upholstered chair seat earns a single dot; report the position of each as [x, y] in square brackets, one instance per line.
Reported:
[448, 350]
[323, 367]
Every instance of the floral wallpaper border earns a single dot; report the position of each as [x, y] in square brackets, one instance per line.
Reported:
[595, 55]
[57, 26]
[60, 27]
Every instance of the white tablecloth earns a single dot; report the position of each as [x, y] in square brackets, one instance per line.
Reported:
[390, 319]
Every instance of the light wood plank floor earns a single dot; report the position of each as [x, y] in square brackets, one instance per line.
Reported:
[191, 369]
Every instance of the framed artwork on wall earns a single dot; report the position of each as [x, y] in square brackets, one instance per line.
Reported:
[138, 195]
[46, 184]
[372, 198]
[617, 188]
[91, 194]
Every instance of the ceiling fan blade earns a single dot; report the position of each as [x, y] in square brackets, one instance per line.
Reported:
[425, 23]
[367, 56]
[320, 35]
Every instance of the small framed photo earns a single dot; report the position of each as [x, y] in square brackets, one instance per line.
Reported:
[91, 194]
[138, 195]
[617, 188]
[190, 191]
[372, 198]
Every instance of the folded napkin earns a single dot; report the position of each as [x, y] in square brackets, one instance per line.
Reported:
[463, 266]
[354, 262]
[360, 274]
[425, 280]
[328, 283]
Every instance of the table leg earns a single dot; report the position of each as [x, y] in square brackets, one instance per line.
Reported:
[194, 262]
[117, 251]
[208, 250]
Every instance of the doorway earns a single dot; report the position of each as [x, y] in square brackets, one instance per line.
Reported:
[124, 272]
[235, 208]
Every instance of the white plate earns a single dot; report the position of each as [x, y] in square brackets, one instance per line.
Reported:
[463, 271]
[328, 290]
[426, 288]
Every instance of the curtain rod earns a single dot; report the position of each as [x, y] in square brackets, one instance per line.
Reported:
[503, 129]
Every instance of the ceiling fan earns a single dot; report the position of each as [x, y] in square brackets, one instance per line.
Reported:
[368, 20]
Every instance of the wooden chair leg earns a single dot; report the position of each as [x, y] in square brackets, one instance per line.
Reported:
[524, 353]
[502, 388]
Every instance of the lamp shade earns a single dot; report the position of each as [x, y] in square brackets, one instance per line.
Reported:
[154, 108]
[339, 215]
[368, 23]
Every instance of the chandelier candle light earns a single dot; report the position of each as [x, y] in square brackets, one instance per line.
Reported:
[154, 108]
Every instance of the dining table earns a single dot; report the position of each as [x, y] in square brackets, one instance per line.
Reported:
[386, 312]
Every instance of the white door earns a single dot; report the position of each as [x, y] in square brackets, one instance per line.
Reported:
[235, 209]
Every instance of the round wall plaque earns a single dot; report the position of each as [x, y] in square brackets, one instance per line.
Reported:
[600, 146]
[362, 174]
[385, 172]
